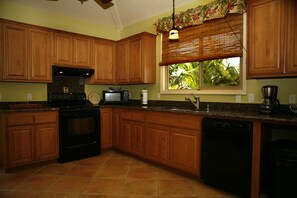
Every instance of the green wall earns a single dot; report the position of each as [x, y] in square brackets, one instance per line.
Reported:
[18, 91]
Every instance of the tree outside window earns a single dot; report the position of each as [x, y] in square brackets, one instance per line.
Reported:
[206, 74]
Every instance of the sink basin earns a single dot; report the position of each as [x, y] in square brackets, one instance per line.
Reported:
[180, 109]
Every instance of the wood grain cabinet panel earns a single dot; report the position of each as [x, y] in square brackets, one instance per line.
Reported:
[184, 153]
[14, 52]
[31, 137]
[40, 55]
[157, 143]
[291, 51]
[136, 59]
[26, 52]
[271, 48]
[116, 119]
[103, 61]
[20, 145]
[72, 50]
[46, 144]
[106, 116]
[122, 62]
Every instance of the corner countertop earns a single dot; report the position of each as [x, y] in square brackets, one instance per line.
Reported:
[253, 115]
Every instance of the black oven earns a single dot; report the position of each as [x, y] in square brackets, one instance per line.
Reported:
[79, 127]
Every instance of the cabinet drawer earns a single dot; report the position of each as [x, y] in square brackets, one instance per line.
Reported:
[175, 120]
[16, 119]
[46, 117]
[133, 115]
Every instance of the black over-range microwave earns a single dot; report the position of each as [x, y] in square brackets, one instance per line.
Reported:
[115, 96]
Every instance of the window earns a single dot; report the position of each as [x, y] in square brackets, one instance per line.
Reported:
[214, 74]
[208, 58]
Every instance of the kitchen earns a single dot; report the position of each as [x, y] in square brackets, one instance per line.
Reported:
[38, 91]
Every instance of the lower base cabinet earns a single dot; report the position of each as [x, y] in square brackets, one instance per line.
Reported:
[184, 150]
[157, 143]
[172, 139]
[30, 137]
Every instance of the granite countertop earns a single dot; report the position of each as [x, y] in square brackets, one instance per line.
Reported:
[12, 107]
[221, 110]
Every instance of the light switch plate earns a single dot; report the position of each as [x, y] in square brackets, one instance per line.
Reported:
[29, 96]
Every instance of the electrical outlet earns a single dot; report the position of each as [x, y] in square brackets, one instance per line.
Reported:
[158, 96]
[29, 96]
[251, 97]
[238, 98]
[292, 98]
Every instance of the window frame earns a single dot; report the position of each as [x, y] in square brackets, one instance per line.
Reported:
[210, 90]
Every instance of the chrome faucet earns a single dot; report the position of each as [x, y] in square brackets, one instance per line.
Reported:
[196, 102]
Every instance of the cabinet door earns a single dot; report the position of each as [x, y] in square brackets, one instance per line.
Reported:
[137, 133]
[46, 142]
[125, 135]
[104, 62]
[135, 60]
[265, 35]
[63, 49]
[15, 52]
[184, 153]
[291, 53]
[40, 55]
[157, 143]
[20, 146]
[81, 51]
[116, 128]
[106, 127]
[122, 63]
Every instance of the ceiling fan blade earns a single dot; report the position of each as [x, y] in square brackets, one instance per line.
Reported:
[105, 1]
[105, 4]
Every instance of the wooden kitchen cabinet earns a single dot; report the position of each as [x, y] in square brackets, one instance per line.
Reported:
[122, 62]
[184, 150]
[182, 132]
[27, 53]
[272, 49]
[31, 137]
[14, 53]
[132, 131]
[116, 119]
[136, 59]
[106, 120]
[40, 55]
[103, 61]
[20, 145]
[157, 143]
[72, 50]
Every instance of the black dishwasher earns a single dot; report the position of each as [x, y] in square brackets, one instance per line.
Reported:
[226, 158]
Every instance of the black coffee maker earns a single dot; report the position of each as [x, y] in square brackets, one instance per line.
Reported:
[270, 103]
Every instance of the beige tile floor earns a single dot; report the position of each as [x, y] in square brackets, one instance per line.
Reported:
[110, 175]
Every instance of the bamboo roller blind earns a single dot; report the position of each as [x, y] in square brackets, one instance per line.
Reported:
[215, 39]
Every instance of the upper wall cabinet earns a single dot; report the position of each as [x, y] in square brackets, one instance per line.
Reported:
[72, 50]
[40, 55]
[26, 53]
[272, 49]
[103, 57]
[136, 59]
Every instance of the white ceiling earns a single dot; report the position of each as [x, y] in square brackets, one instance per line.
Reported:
[123, 13]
